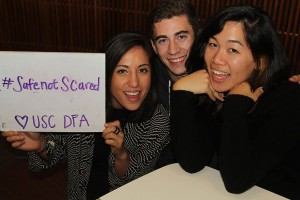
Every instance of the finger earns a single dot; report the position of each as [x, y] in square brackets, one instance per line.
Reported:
[110, 136]
[258, 92]
[210, 92]
[9, 133]
[15, 138]
[111, 143]
[108, 129]
[114, 123]
[295, 78]
[17, 144]
[219, 96]
[117, 130]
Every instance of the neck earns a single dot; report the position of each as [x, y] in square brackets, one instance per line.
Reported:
[175, 77]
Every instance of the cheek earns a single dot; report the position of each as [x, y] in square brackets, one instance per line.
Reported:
[146, 82]
[186, 44]
[116, 84]
[243, 70]
[161, 49]
[207, 58]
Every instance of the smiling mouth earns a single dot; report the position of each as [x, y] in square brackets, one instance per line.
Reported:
[219, 76]
[132, 93]
[177, 60]
[219, 73]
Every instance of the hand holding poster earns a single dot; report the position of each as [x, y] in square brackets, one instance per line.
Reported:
[56, 92]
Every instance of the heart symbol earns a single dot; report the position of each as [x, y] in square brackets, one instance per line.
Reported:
[22, 121]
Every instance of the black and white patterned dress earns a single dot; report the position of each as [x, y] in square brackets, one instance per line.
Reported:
[144, 141]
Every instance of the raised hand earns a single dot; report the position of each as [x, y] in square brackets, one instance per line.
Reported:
[114, 137]
[295, 78]
[27, 141]
[198, 83]
[245, 89]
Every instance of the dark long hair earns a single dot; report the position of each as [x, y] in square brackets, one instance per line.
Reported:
[261, 38]
[115, 49]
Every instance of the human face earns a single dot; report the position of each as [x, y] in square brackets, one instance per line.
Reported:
[131, 80]
[228, 57]
[173, 39]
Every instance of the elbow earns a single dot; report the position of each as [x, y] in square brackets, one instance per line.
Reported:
[235, 189]
[190, 169]
[234, 184]
[190, 166]
[191, 163]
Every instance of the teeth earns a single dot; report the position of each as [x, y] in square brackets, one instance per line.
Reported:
[177, 59]
[132, 93]
[218, 73]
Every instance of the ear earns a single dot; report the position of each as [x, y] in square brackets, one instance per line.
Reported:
[153, 46]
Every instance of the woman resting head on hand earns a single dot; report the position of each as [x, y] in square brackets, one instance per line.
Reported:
[258, 139]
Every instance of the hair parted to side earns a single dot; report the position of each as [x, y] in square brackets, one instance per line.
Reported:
[261, 37]
[115, 49]
[166, 9]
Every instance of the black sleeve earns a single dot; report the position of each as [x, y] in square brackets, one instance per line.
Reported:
[254, 142]
[192, 139]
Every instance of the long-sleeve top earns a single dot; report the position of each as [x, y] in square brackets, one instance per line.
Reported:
[144, 141]
[258, 143]
[193, 131]
[77, 149]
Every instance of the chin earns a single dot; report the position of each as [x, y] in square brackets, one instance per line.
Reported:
[220, 88]
[132, 108]
[179, 72]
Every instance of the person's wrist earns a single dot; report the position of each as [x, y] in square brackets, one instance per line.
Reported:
[123, 155]
[42, 148]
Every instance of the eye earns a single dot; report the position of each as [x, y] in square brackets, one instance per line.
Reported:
[182, 37]
[162, 41]
[233, 51]
[144, 70]
[212, 44]
[121, 71]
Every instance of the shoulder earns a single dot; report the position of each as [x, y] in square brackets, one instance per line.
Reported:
[160, 112]
[286, 91]
[285, 97]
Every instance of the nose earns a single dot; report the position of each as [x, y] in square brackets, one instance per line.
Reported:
[133, 80]
[173, 47]
[218, 57]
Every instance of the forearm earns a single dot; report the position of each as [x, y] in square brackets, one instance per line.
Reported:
[192, 139]
[53, 151]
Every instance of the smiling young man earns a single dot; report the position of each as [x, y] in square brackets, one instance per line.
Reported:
[173, 26]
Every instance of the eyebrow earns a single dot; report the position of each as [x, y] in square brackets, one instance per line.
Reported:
[176, 34]
[231, 41]
[126, 66]
[122, 66]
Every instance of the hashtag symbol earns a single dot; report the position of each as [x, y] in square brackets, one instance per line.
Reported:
[7, 82]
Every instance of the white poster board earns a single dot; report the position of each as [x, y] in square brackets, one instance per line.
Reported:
[52, 92]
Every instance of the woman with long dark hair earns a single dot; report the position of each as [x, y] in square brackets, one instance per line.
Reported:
[137, 128]
[241, 105]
